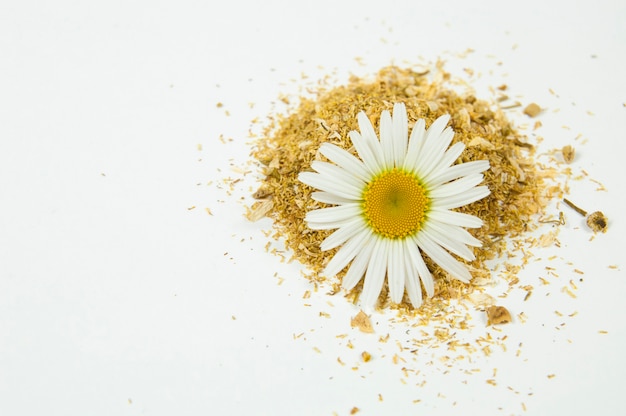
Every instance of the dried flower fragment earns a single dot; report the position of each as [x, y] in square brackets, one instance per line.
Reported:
[532, 110]
[259, 209]
[597, 222]
[568, 153]
[498, 315]
[362, 321]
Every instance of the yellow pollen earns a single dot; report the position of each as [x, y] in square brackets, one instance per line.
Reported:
[395, 204]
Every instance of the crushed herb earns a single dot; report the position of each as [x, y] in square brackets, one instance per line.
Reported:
[290, 143]
[532, 110]
[498, 315]
[597, 222]
[568, 153]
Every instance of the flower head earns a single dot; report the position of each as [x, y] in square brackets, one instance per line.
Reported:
[395, 202]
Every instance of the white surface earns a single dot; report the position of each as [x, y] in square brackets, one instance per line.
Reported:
[115, 298]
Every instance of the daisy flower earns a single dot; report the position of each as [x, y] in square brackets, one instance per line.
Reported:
[394, 203]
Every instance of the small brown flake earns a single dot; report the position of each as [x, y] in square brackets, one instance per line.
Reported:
[498, 315]
[532, 110]
[597, 222]
[568, 153]
[362, 321]
[366, 356]
[354, 410]
[262, 193]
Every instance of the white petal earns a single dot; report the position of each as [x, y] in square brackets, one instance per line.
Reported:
[418, 263]
[344, 159]
[413, 287]
[458, 171]
[347, 252]
[325, 183]
[456, 187]
[343, 234]
[331, 215]
[375, 274]
[430, 161]
[371, 139]
[328, 198]
[459, 200]
[448, 159]
[339, 175]
[436, 141]
[386, 138]
[359, 264]
[396, 271]
[400, 133]
[444, 259]
[415, 144]
[365, 153]
[447, 238]
[455, 218]
[456, 232]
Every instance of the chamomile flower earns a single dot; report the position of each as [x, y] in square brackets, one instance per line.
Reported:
[395, 202]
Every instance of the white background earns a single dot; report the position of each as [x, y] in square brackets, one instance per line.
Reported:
[118, 297]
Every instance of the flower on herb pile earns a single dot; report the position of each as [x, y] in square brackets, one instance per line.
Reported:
[396, 203]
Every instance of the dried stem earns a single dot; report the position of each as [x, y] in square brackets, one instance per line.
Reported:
[574, 207]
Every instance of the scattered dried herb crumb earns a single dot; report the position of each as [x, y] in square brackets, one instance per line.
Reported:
[597, 222]
[568, 153]
[362, 321]
[532, 110]
[498, 315]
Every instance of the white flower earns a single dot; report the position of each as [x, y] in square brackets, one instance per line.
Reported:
[395, 203]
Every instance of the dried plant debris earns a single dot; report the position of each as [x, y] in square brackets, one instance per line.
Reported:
[362, 322]
[597, 222]
[575, 207]
[518, 188]
[568, 153]
[532, 110]
[498, 315]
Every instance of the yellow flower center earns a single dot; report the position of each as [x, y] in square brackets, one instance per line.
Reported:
[395, 204]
